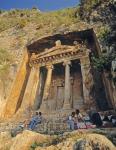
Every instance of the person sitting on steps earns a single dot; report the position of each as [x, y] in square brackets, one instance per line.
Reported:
[79, 121]
[37, 119]
[70, 121]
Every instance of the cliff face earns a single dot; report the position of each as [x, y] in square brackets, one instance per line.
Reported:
[20, 27]
[102, 15]
[104, 12]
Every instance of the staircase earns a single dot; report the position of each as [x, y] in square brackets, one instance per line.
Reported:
[53, 122]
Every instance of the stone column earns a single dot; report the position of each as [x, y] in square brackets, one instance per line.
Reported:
[31, 88]
[67, 92]
[87, 78]
[44, 105]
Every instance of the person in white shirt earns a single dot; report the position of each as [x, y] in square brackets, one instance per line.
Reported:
[79, 120]
[70, 121]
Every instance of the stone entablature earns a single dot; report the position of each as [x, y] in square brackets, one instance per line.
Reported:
[58, 54]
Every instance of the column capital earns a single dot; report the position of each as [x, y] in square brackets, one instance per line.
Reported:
[67, 62]
[85, 61]
[35, 66]
[49, 66]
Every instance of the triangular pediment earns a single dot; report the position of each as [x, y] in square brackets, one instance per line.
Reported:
[57, 50]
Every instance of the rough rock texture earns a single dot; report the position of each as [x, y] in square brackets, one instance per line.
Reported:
[77, 140]
[94, 141]
[5, 140]
[26, 139]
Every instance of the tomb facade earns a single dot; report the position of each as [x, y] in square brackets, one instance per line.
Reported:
[57, 74]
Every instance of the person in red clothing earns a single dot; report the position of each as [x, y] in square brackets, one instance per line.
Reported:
[80, 123]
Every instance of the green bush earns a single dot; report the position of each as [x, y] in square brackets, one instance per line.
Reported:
[103, 62]
[103, 32]
[34, 146]
[90, 4]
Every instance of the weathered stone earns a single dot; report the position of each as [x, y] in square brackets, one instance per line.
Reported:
[26, 139]
[31, 88]
[14, 97]
[93, 141]
[58, 43]
[5, 140]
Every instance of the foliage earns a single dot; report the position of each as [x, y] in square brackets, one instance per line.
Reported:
[34, 146]
[6, 23]
[47, 20]
[22, 23]
[89, 4]
[103, 62]
[103, 32]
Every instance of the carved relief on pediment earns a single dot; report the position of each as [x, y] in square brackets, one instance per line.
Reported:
[58, 50]
[59, 53]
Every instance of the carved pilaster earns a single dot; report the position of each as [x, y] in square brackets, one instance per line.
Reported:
[67, 93]
[44, 105]
[87, 78]
[31, 88]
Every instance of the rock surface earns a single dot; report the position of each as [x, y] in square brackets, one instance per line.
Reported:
[5, 140]
[77, 140]
[24, 140]
[94, 141]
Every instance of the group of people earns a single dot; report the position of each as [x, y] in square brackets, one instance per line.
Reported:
[91, 120]
[31, 124]
[75, 120]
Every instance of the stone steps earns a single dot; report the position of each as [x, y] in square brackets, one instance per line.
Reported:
[51, 123]
[7, 126]
[50, 127]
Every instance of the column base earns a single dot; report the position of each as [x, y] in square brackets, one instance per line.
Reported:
[66, 106]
